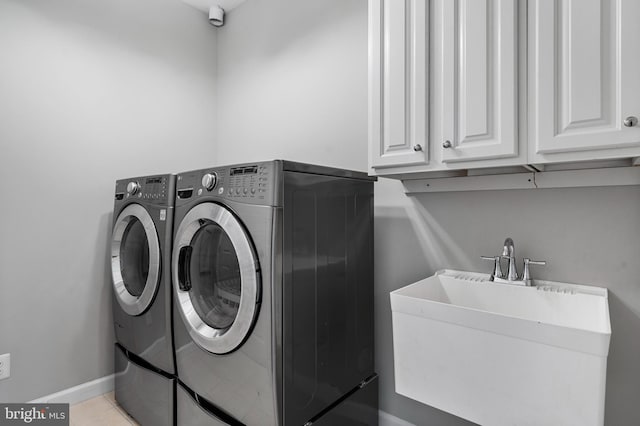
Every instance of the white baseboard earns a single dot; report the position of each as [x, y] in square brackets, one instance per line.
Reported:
[386, 419]
[79, 393]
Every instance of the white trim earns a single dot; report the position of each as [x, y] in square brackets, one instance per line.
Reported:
[615, 176]
[80, 392]
[386, 419]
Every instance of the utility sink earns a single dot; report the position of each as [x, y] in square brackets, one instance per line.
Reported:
[501, 354]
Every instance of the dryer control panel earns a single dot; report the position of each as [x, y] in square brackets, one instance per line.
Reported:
[252, 183]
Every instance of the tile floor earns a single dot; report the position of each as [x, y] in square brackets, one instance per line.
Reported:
[100, 411]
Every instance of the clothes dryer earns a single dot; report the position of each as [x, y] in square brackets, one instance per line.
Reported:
[140, 266]
[273, 295]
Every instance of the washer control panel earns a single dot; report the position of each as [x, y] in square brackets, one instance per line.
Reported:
[149, 188]
[250, 183]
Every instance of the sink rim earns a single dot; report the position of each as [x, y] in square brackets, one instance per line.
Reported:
[538, 284]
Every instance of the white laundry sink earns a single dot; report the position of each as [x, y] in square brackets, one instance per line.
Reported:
[501, 354]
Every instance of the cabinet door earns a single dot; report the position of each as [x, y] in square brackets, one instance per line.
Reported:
[584, 75]
[479, 79]
[398, 117]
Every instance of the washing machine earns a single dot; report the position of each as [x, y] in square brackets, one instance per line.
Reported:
[273, 295]
[140, 267]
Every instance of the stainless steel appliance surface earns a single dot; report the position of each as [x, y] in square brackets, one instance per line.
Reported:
[145, 393]
[140, 269]
[273, 295]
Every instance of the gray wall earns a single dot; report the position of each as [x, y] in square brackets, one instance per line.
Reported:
[90, 91]
[292, 83]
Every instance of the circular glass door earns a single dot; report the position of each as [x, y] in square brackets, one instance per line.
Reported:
[215, 277]
[135, 259]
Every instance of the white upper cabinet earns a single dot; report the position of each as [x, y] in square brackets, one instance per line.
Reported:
[506, 85]
[479, 79]
[398, 78]
[470, 51]
[584, 79]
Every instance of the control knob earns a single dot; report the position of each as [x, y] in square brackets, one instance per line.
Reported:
[209, 181]
[133, 188]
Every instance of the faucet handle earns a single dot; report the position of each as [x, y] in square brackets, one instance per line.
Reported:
[526, 276]
[497, 270]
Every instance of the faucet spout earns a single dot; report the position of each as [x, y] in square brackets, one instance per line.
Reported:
[509, 248]
[509, 252]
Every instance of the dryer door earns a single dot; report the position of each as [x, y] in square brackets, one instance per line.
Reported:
[216, 278]
[135, 259]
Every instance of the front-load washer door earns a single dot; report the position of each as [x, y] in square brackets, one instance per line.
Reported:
[216, 278]
[135, 259]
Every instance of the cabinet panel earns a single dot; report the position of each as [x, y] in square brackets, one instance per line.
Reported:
[479, 79]
[398, 82]
[582, 87]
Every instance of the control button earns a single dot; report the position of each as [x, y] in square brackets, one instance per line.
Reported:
[209, 181]
[253, 190]
[199, 191]
[238, 191]
[133, 188]
[245, 190]
[230, 191]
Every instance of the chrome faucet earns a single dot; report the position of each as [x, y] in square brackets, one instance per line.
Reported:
[508, 252]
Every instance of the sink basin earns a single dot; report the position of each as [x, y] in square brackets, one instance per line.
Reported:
[501, 354]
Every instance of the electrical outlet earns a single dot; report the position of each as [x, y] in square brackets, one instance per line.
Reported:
[5, 366]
